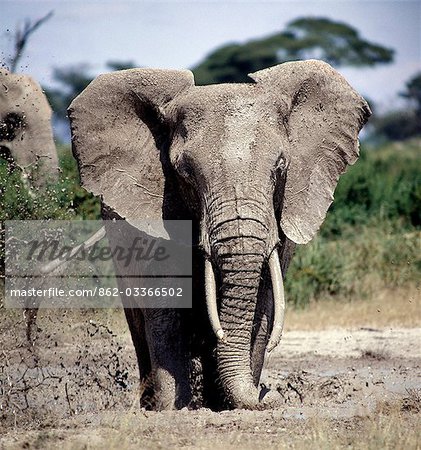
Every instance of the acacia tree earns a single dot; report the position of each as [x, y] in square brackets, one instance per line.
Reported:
[413, 94]
[337, 43]
[72, 80]
[334, 42]
[405, 123]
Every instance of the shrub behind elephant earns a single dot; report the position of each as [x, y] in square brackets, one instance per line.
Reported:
[26, 137]
[254, 166]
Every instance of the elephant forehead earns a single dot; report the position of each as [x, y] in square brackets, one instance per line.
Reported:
[242, 104]
[218, 98]
[226, 110]
[240, 129]
[231, 119]
[19, 93]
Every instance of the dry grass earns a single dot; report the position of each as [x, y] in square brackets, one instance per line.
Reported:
[399, 307]
[393, 430]
[389, 427]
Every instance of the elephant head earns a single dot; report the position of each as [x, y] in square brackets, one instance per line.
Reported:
[254, 165]
[26, 137]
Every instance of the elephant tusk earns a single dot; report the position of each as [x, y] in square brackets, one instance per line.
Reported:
[210, 286]
[278, 300]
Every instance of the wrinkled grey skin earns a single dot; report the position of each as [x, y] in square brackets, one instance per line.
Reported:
[26, 137]
[254, 166]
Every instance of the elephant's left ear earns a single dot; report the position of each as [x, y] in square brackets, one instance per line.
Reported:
[119, 135]
[322, 116]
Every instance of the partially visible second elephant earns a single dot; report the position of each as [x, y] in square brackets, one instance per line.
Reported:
[26, 136]
[254, 167]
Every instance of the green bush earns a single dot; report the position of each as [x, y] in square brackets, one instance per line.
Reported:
[385, 184]
[18, 202]
[397, 125]
[372, 233]
[317, 270]
[62, 200]
[85, 205]
[354, 267]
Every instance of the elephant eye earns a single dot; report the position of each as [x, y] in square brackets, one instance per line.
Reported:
[301, 95]
[281, 164]
[187, 172]
[182, 131]
[180, 127]
[280, 169]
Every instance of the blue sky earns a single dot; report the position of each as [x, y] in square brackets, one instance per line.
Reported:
[178, 34]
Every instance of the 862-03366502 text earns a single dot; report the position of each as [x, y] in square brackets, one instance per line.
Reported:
[102, 292]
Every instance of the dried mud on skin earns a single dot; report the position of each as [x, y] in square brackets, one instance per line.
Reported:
[80, 378]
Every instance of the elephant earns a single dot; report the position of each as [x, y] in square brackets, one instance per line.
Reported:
[254, 167]
[26, 137]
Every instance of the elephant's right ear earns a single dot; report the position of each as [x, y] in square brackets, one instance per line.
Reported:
[322, 116]
[114, 125]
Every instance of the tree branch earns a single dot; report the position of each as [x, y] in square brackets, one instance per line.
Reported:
[22, 36]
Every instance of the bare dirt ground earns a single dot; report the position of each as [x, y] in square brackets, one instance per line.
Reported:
[353, 387]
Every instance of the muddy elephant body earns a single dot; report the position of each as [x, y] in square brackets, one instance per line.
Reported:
[26, 136]
[254, 166]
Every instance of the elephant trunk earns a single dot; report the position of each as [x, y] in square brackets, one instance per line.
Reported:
[239, 288]
[239, 248]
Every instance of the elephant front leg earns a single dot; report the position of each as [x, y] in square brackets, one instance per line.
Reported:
[169, 356]
[136, 322]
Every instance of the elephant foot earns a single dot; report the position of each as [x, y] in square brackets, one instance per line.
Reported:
[169, 393]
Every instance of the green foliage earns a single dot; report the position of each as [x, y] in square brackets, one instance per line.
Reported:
[121, 65]
[336, 43]
[397, 125]
[73, 81]
[413, 93]
[402, 124]
[18, 202]
[385, 184]
[317, 270]
[372, 233]
[85, 205]
[62, 200]
[233, 62]
[355, 267]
